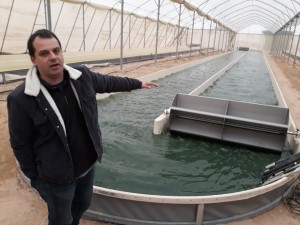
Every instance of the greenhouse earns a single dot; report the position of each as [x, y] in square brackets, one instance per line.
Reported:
[218, 141]
[155, 26]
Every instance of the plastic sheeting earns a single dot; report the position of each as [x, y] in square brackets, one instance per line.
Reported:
[269, 15]
[91, 25]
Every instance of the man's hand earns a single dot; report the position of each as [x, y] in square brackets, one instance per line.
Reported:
[149, 85]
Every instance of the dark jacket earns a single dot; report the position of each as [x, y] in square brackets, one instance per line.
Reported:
[37, 132]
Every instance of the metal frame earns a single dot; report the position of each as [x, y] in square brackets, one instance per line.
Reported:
[272, 15]
[134, 209]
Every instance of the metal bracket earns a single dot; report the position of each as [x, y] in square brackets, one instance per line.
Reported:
[166, 111]
[296, 133]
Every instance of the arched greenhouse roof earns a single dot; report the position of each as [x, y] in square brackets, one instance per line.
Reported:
[268, 15]
[92, 25]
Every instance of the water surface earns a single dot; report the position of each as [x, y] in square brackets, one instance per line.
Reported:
[135, 160]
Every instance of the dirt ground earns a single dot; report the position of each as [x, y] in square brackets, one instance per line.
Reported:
[21, 205]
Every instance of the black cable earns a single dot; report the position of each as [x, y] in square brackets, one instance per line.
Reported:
[292, 201]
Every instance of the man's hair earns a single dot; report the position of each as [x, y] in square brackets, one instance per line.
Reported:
[42, 33]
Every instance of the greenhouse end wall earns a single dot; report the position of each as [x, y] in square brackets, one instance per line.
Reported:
[261, 42]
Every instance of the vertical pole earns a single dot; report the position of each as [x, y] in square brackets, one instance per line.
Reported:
[87, 30]
[202, 33]
[219, 39]
[145, 28]
[228, 39]
[279, 42]
[83, 27]
[49, 15]
[223, 39]
[129, 31]
[234, 40]
[282, 41]
[192, 34]
[296, 50]
[110, 29]
[278, 38]
[209, 36]
[199, 214]
[178, 33]
[225, 42]
[275, 38]
[166, 39]
[215, 38]
[174, 27]
[296, 20]
[3, 78]
[45, 11]
[157, 29]
[273, 43]
[287, 41]
[121, 47]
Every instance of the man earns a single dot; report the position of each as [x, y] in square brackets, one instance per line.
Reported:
[54, 130]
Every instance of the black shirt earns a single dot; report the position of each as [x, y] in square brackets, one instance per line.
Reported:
[80, 143]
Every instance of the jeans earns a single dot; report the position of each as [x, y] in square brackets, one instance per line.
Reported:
[66, 203]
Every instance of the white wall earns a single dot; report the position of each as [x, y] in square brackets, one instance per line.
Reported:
[254, 41]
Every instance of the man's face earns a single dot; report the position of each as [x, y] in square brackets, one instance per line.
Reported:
[48, 58]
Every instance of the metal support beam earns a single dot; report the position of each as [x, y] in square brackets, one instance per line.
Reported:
[49, 19]
[296, 50]
[202, 33]
[157, 30]
[209, 36]
[287, 41]
[83, 28]
[110, 29]
[200, 213]
[129, 32]
[215, 38]
[121, 42]
[192, 36]
[295, 25]
[224, 32]
[219, 39]
[178, 30]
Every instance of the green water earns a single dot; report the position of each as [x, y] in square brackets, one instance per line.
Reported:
[135, 160]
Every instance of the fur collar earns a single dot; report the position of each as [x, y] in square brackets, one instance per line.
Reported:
[33, 84]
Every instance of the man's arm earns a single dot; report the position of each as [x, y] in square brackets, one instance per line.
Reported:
[21, 136]
[107, 83]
